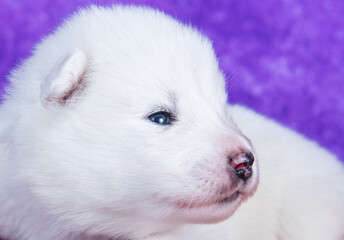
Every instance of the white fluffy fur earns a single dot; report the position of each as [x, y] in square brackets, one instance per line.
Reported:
[79, 158]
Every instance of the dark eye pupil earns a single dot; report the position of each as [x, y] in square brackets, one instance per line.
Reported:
[160, 118]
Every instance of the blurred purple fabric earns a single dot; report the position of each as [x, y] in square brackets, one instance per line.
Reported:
[282, 58]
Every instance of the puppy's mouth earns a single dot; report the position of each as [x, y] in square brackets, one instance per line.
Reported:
[220, 201]
[229, 198]
[212, 209]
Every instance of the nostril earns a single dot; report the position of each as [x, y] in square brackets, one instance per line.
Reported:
[244, 174]
[250, 159]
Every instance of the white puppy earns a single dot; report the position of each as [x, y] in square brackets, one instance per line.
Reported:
[118, 128]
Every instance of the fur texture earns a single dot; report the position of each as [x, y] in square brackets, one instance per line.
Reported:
[80, 158]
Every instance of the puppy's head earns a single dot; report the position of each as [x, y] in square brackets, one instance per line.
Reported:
[129, 132]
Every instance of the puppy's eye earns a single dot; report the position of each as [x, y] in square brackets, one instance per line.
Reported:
[162, 118]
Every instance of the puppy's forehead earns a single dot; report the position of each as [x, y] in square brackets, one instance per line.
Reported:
[156, 53]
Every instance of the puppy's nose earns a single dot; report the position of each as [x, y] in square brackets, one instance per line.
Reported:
[242, 164]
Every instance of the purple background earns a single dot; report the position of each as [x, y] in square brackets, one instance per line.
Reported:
[282, 58]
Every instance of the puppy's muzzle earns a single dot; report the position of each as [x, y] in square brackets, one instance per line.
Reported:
[242, 164]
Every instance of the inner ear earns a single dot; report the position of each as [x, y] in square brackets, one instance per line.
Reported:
[65, 80]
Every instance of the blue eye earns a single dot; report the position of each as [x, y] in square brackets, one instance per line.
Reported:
[162, 118]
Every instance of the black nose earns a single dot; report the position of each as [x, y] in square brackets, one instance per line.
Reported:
[242, 164]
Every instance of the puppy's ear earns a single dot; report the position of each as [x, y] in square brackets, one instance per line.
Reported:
[65, 80]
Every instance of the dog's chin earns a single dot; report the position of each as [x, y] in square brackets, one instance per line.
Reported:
[210, 212]
[214, 210]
